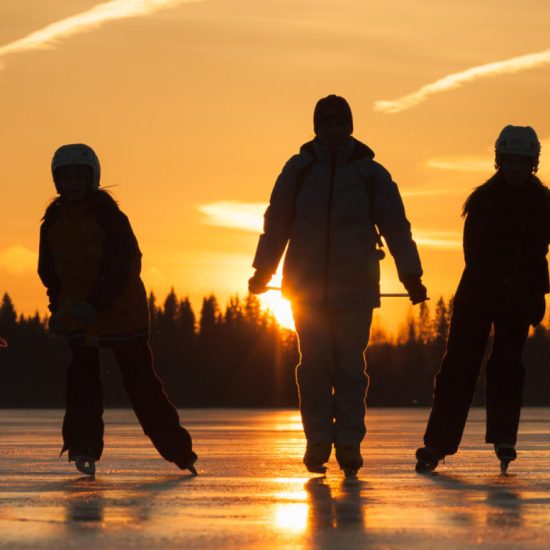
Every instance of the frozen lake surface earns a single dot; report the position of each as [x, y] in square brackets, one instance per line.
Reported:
[253, 492]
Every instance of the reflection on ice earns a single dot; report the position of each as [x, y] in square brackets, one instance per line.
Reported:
[253, 491]
[342, 507]
[291, 517]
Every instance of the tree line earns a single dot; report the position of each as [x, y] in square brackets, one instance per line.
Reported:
[239, 356]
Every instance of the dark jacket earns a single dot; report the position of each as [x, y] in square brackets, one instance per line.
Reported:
[88, 253]
[506, 239]
[325, 206]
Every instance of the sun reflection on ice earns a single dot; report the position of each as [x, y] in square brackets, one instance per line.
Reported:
[286, 422]
[291, 517]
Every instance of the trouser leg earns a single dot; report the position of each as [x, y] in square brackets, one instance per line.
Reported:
[350, 336]
[314, 373]
[83, 421]
[456, 381]
[505, 375]
[156, 414]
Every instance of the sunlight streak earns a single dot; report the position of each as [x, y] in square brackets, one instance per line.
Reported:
[49, 36]
[455, 80]
[279, 306]
[273, 301]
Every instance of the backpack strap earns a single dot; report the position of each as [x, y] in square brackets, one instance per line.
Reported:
[368, 181]
[369, 188]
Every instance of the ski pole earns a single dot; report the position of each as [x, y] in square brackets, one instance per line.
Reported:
[386, 295]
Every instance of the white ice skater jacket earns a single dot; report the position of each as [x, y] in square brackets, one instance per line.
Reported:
[326, 206]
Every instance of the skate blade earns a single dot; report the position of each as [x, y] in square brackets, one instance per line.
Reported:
[350, 473]
[316, 469]
[504, 466]
[425, 467]
[192, 469]
[86, 467]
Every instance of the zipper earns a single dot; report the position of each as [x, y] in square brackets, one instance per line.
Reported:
[329, 222]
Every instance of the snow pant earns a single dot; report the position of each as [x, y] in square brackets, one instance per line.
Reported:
[331, 376]
[456, 381]
[83, 422]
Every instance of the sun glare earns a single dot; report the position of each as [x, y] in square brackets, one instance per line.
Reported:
[280, 308]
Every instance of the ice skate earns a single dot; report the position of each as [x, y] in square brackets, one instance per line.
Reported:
[189, 464]
[350, 460]
[505, 453]
[315, 457]
[85, 464]
[427, 460]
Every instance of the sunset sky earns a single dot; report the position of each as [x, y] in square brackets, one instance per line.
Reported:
[194, 106]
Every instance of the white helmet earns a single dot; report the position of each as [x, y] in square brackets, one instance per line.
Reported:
[518, 140]
[77, 154]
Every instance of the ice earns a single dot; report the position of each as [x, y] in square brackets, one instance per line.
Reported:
[253, 491]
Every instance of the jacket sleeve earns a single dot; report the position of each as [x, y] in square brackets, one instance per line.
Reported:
[46, 268]
[388, 214]
[121, 257]
[278, 220]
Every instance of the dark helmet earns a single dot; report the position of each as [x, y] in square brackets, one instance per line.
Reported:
[518, 140]
[77, 154]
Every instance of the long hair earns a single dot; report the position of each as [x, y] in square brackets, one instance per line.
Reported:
[495, 179]
[96, 196]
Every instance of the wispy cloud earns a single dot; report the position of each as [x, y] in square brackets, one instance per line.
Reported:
[18, 260]
[51, 35]
[463, 163]
[455, 80]
[432, 192]
[249, 217]
[443, 240]
[470, 163]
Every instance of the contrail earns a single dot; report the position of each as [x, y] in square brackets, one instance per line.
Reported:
[50, 35]
[455, 80]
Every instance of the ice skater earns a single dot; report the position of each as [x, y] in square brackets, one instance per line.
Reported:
[327, 205]
[506, 238]
[90, 263]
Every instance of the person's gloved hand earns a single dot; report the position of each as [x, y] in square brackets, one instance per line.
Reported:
[538, 312]
[54, 324]
[86, 313]
[417, 291]
[257, 284]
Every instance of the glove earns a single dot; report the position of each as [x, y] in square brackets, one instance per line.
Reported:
[417, 291]
[257, 284]
[85, 313]
[54, 324]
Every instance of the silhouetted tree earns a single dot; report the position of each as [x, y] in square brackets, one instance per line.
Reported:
[242, 357]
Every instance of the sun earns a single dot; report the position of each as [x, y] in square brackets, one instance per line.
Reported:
[279, 306]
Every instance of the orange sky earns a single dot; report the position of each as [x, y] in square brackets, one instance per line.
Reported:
[193, 107]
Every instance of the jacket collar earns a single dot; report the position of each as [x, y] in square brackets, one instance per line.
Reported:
[350, 152]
